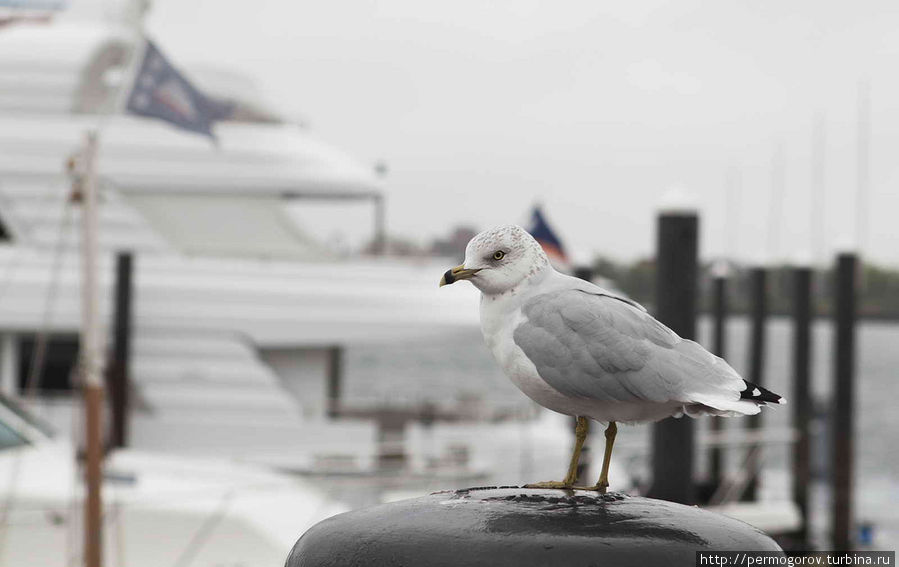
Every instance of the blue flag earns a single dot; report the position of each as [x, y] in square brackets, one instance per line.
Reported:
[160, 91]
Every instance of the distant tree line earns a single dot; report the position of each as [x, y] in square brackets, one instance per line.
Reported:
[878, 297]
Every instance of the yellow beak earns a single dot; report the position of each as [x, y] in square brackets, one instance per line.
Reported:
[460, 272]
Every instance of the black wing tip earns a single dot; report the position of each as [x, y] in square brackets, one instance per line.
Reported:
[756, 393]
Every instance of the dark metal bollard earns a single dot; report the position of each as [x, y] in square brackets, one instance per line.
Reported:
[676, 287]
[523, 527]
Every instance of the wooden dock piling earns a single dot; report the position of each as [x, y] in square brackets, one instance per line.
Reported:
[335, 379]
[719, 348]
[801, 400]
[676, 291]
[843, 400]
[758, 313]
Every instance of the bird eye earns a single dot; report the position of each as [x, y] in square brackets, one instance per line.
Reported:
[498, 255]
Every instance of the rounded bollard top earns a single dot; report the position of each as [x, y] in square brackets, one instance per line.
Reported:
[523, 527]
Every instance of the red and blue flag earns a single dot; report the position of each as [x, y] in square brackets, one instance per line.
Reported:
[546, 236]
[161, 92]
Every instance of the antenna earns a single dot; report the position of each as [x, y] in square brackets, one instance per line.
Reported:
[733, 189]
[775, 204]
[817, 195]
[864, 165]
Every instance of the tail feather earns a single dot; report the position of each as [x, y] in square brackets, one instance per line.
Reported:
[751, 400]
[720, 407]
[756, 393]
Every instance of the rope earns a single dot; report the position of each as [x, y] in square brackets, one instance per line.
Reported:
[38, 356]
[9, 498]
[189, 553]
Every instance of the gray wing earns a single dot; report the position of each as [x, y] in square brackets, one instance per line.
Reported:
[599, 346]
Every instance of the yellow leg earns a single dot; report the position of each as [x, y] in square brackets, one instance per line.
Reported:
[603, 482]
[580, 435]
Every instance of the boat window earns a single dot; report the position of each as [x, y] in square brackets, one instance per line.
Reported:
[9, 438]
[27, 416]
[60, 356]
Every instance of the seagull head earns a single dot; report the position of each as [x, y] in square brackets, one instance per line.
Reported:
[498, 260]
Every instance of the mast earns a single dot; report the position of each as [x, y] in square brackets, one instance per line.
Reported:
[734, 187]
[91, 331]
[91, 351]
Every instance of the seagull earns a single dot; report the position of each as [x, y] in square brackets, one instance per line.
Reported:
[580, 350]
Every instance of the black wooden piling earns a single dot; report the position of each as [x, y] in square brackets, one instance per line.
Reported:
[843, 396]
[719, 348]
[335, 371]
[758, 313]
[801, 401]
[719, 338]
[118, 380]
[676, 287]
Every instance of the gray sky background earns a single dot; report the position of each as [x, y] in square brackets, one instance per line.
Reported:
[594, 108]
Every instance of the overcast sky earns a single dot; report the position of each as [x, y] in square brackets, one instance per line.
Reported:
[593, 108]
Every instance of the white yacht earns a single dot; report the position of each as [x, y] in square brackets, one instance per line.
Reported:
[239, 314]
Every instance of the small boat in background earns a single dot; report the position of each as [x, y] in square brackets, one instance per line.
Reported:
[159, 510]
